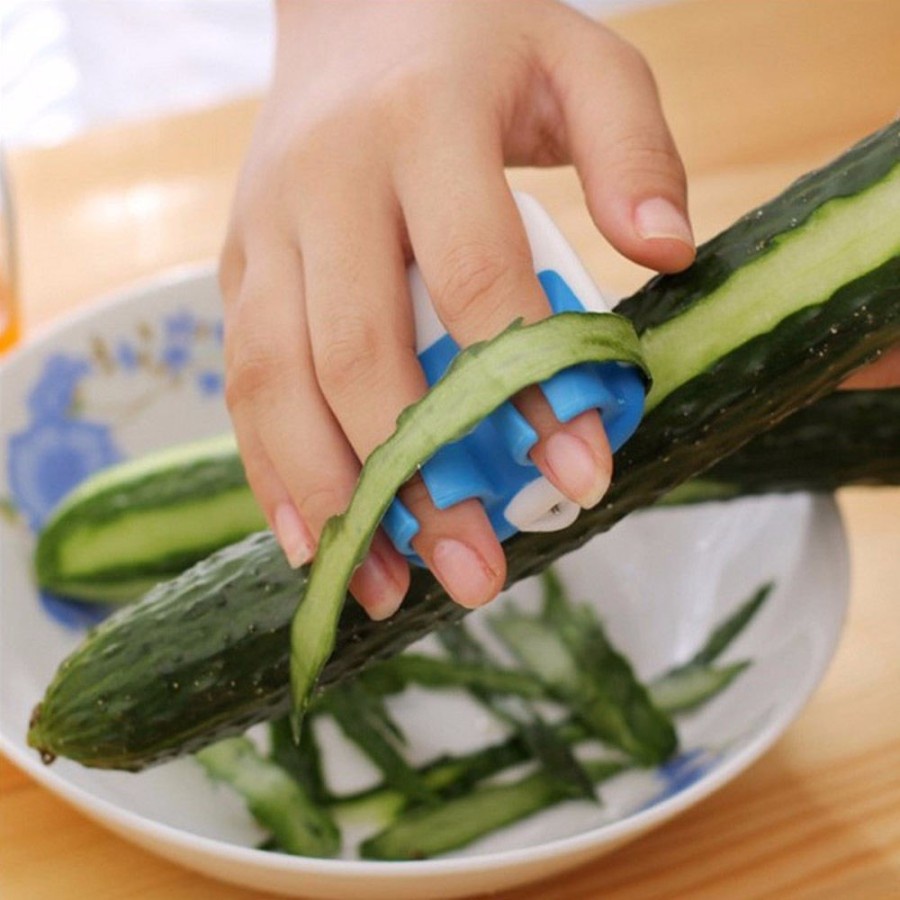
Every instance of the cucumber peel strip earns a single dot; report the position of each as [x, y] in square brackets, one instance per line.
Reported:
[480, 379]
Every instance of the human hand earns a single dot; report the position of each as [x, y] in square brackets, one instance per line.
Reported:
[883, 373]
[384, 137]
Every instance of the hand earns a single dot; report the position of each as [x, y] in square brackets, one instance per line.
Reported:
[383, 138]
[883, 373]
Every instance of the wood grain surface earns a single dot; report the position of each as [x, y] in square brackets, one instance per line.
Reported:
[757, 92]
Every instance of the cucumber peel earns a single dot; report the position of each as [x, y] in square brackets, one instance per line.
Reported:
[479, 380]
[276, 800]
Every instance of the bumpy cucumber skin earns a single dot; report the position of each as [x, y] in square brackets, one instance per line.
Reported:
[846, 438]
[232, 683]
[214, 473]
[169, 664]
[150, 683]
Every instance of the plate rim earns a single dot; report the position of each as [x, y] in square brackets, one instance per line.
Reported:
[129, 292]
[126, 822]
[172, 842]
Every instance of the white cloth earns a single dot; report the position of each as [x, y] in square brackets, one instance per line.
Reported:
[67, 65]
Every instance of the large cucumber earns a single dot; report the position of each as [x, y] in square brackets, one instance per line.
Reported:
[775, 312]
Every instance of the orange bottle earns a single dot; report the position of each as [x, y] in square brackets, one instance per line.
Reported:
[9, 321]
[9, 317]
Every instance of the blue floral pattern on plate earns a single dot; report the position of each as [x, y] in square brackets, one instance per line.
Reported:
[681, 772]
[51, 457]
[65, 442]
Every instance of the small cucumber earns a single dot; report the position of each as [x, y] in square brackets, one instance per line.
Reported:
[142, 522]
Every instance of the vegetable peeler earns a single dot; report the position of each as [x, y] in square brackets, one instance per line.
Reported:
[491, 463]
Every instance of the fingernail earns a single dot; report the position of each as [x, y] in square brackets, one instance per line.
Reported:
[293, 535]
[660, 218]
[376, 589]
[463, 572]
[576, 469]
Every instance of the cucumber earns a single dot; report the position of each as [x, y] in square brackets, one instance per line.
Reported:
[141, 522]
[275, 799]
[844, 438]
[207, 654]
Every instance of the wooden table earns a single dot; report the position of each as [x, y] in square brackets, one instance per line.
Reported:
[757, 92]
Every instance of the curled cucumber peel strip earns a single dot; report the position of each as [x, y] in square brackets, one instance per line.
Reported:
[480, 379]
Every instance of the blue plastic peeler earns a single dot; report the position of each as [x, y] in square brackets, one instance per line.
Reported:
[491, 463]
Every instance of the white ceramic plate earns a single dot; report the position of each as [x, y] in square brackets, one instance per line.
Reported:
[144, 370]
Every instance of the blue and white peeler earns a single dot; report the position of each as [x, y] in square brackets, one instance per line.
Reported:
[491, 463]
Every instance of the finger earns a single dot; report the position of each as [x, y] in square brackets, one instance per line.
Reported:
[459, 545]
[883, 373]
[363, 345]
[617, 136]
[381, 582]
[293, 534]
[471, 246]
[283, 519]
[293, 444]
[358, 313]
[576, 458]
[271, 397]
[476, 262]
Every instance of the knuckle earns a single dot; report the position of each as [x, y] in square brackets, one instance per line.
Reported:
[470, 274]
[319, 141]
[630, 58]
[405, 95]
[313, 146]
[624, 58]
[249, 377]
[347, 357]
[319, 502]
[255, 367]
[645, 155]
